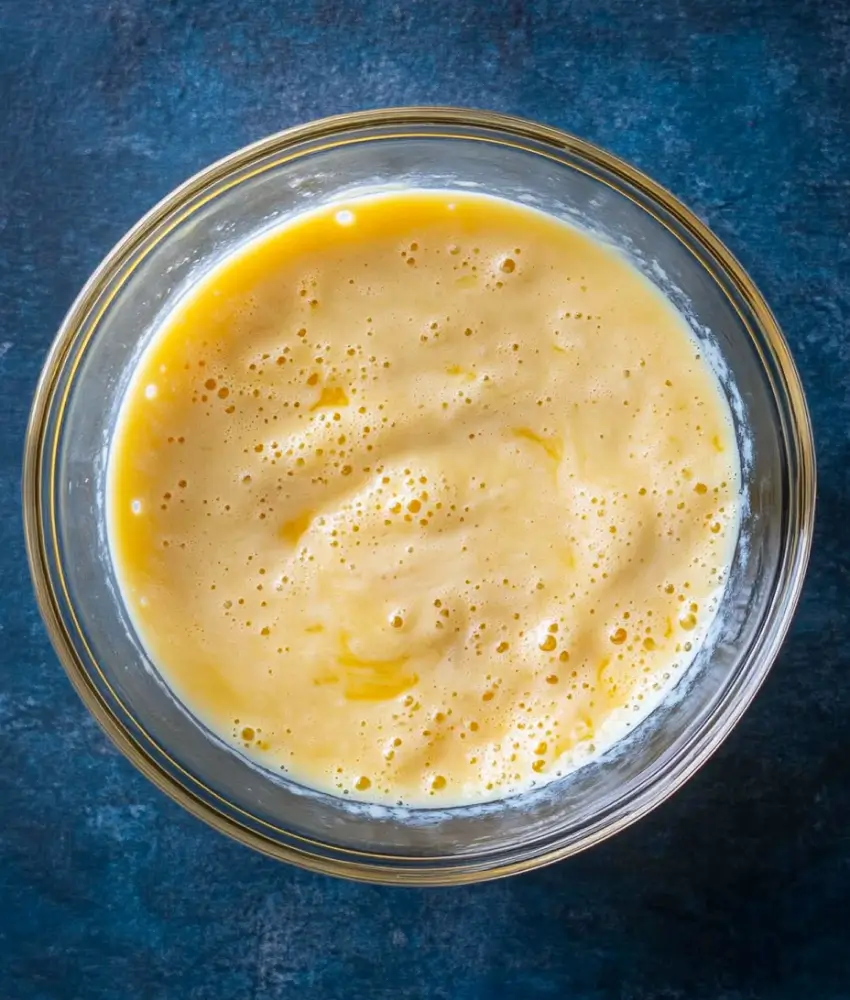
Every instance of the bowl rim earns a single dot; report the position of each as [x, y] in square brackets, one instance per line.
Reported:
[376, 867]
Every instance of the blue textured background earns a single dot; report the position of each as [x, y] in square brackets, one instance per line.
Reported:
[739, 887]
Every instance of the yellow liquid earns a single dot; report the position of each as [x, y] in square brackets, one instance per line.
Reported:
[423, 498]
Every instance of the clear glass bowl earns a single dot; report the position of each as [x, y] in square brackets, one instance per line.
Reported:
[111, 322]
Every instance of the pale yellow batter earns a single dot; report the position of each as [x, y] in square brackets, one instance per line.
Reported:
[423, 498]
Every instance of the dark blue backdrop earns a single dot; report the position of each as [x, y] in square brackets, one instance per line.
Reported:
[737, 889]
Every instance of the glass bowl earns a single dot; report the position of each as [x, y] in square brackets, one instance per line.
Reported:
[112, 321]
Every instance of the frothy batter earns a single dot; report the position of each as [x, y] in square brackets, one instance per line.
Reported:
[423, 498]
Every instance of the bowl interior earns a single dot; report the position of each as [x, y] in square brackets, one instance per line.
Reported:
[122, 308]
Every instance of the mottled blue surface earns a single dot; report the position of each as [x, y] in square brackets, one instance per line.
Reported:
[739, 887]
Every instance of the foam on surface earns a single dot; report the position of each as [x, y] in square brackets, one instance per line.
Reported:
[423, 498]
